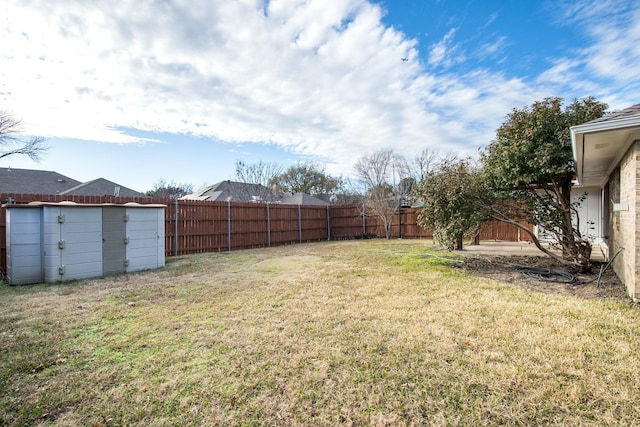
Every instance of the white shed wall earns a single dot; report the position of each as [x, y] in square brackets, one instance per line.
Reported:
[50, 239]
[24, 261]
[145, 231]
[161, 235]
[80, 234]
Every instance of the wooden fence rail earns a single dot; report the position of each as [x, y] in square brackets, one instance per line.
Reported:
[200, 226]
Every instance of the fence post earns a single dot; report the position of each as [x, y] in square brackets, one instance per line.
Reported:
[175, 227]
[400, 220]
[228, 225]
[328, 223]
[299, 225]
[268, 227]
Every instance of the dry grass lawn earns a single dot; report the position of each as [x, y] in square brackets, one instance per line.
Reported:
[333, 333]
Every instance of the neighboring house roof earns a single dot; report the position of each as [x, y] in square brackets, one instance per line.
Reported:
[102, 187]
[28, 181]
[242, 192]
[598, 145]
[300, 199]
[231, 191]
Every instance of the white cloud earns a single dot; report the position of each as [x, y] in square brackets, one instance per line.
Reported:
[445, 53]
[616, 53]
[607, 67]
[318, 77]
[492, 48]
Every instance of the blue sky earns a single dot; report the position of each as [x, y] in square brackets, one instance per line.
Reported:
[181, 89]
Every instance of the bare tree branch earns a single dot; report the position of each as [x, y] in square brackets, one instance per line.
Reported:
[11, 144]
[382, 174]
[260, 178]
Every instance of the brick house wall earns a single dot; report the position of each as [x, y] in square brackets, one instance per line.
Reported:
[607, 151]
[624, 222]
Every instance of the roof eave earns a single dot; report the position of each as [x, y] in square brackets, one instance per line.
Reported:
[577, 155]
[605, 125]
[579, 131]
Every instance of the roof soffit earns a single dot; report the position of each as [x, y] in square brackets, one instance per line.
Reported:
[599, 145]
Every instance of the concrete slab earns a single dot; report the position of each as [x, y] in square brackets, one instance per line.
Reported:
[492, 247]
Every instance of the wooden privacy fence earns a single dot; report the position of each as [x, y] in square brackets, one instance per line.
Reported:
[200, 226]
[197, 226]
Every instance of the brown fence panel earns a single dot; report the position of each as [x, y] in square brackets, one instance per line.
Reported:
[202, 227]
[408, 227]
[170, 244]
[284, 224]
[314, 220]
[248, 225]
[497, 230]
[347, 222]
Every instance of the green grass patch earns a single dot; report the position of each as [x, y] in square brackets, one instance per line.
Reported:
[368, 332]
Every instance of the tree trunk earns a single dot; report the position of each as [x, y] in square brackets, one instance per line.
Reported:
[568, 241]
[574, 247]
[476, 239]
[573, 263]
[458, 243]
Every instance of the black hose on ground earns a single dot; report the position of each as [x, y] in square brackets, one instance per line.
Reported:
[548, 275]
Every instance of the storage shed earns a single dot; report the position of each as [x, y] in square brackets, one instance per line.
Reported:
[50, 242]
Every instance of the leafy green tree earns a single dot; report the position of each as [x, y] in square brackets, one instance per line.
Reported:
[11, 144]
[530, 165]
[455, 202]
[309, 178]
[170, 190]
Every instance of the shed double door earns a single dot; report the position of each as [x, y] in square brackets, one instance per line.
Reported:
[114, 245]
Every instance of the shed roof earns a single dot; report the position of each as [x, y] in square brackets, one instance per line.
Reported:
[69, 204]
